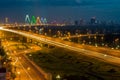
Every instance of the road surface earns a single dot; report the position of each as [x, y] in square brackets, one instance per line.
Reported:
[22, 66]
[68, 45]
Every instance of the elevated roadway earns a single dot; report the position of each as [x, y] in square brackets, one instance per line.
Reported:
[82, 35]
[68, 45]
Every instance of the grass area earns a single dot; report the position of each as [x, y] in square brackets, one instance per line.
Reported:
[21, 46]
[72, 66]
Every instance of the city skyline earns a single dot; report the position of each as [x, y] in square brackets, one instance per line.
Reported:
[59, 39]
[60, 10]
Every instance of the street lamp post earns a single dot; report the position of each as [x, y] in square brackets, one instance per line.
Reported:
[18, 75]
[58, 77]
[31, 56]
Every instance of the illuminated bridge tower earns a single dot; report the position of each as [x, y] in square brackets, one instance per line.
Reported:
[44, 20]
[38, 21]
[27, 19]
[33, 21]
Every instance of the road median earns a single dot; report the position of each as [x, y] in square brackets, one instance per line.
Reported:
[47, 76]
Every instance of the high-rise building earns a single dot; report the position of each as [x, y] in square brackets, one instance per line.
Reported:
[6, 20]
[93, 20]
[76, 22]
[81, 21]
[3, 74]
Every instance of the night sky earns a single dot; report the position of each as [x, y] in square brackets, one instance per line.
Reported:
[60, 10]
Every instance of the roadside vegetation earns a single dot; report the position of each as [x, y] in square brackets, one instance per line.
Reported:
[73, 66]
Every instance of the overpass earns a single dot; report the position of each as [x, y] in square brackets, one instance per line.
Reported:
[82, 35]
[67, 45]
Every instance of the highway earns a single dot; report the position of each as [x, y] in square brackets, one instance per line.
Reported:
[70, 46]
[83, 35]
[32, 71]
[25, 70]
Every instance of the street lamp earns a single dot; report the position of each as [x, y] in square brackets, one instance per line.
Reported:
[30, 55]
[19, 75]
[58, 77]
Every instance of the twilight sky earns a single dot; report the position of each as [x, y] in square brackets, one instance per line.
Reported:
[60, 10]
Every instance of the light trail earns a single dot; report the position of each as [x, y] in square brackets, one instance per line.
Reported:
[106, 58]
[25, 71]
[17, 61]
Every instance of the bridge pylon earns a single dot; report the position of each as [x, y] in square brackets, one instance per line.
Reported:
[33, 20]
[27, 19]
[38, 21]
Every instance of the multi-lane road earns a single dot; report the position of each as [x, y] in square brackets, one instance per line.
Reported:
[67, 45]
[22, 66]
[32, 71]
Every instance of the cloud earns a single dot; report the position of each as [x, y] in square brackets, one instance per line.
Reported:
[7, 3]
[48, 2]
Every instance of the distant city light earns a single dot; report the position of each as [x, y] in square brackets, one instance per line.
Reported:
[1, 27]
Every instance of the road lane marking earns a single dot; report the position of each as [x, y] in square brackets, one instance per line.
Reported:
[25, 71]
